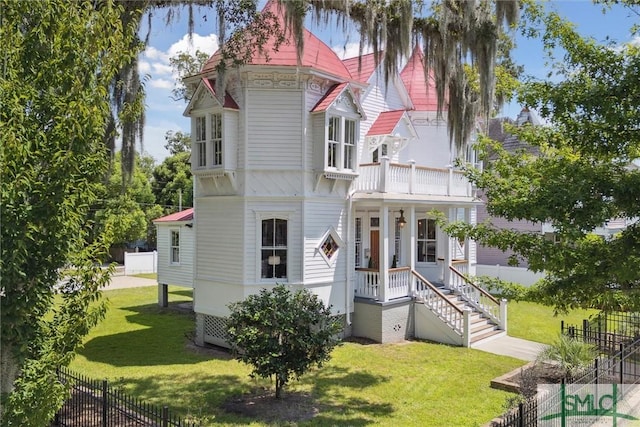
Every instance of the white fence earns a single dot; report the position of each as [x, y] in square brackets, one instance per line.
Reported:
[520, 275]
[140, 262]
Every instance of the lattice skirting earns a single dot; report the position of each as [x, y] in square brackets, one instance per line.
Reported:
[215, 330]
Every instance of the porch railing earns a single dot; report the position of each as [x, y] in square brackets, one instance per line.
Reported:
[369, 283]
[477, 297]
[399, 282]
[439, 304]
[386, 177]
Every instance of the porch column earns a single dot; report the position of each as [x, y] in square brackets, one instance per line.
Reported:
[446, 273]
[384, 251]
[163, 295]
[412, 247]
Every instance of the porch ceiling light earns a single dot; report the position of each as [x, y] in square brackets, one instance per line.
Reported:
[401, 221]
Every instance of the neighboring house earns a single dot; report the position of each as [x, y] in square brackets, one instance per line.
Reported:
[494, 262]
[318, 174]
[176, 239]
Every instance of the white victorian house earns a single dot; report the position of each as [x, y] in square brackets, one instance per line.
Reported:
[317, 173]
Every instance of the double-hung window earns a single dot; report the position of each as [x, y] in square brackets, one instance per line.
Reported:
[274, 249]
[426, 240]
[174, 255]
[333, 142]
[342, 136]
[216, 138]
[201, 141]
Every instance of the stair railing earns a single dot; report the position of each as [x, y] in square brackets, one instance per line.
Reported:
[478, 298]
[439, 304]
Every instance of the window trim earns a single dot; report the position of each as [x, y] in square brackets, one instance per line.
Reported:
[426, 240]
[208, 153]
[331, 232]
[341, 144]
[261, 216]
[172, 232]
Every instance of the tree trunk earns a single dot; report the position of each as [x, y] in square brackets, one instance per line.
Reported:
[9, 368]
[278, 387]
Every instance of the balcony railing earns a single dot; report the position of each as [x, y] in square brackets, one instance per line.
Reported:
[387, 177]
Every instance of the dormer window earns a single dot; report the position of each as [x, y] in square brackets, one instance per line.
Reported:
[201, 141]
[342, 135]
[208, 140]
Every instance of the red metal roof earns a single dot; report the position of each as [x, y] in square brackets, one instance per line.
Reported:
[361, 67]
[316, 54]
[185, 215]
[386, 123]
[423, 97]
[328, 98]
[228, 100]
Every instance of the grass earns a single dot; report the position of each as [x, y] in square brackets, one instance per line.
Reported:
[536, 322]
[152, 276]
[143, 348]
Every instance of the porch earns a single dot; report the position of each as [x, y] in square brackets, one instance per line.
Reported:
[409, 305]
[387, 177]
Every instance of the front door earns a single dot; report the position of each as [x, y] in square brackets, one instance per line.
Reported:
[374, 239]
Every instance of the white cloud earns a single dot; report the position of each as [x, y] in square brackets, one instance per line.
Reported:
[161, 83]
[208, 44]
[154, 54]
[635, 41]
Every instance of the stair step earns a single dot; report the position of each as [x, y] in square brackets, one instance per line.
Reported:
[479, 327]
[486, 335]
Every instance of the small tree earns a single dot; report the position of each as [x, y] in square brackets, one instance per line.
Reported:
[282, 333]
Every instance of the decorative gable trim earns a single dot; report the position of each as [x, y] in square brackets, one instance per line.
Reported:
[340, 97]
[206, 88]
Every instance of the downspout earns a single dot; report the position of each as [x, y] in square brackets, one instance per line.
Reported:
[349, 271]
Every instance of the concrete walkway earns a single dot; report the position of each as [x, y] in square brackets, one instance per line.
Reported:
[122, 282]
[510, 346]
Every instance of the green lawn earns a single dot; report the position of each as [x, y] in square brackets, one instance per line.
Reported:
[143, 349]
[153, 276]
[538, 323]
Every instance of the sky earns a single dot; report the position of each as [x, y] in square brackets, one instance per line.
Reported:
[165, 41]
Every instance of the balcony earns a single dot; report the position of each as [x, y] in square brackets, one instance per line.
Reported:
[387, 177]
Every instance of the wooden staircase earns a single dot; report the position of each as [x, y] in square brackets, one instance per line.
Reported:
[482, 328]
[463, 315]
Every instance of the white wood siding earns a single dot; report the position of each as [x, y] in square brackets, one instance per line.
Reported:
[175, 274]
[432, 148]
[320, 215]
[230, 139]
[275, 129]
[219, 245]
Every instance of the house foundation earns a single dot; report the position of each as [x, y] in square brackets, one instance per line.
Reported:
[383, 322]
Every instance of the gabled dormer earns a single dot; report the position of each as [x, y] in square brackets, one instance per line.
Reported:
[214, 125]
[336, 132]
[390, 133]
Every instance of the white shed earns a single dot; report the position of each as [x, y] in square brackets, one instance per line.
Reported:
[176, 241]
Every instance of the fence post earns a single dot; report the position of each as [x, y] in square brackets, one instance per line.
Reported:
[595, 366]
[621, 363]
[105, 397]
[165, 416]
[562, 327]
[585, 327]
[521, 414]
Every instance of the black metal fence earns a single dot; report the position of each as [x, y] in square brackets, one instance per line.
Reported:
[621, 368]
[94, 403]
[607, 331]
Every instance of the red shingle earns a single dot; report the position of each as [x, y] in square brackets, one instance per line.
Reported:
[328, 98]
[185, 215]
[386, 123]
[229, 102]
[316, 54]
[361, 69]
[423, 97]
